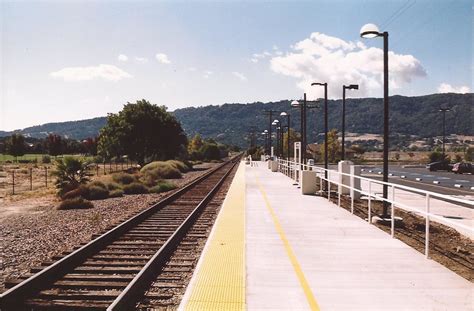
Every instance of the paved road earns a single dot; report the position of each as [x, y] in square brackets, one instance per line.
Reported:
[441, 181]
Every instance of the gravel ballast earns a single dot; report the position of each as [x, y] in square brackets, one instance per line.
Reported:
[30, 238]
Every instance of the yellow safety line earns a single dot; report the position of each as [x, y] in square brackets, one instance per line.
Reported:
[219, 282]
[289, 251]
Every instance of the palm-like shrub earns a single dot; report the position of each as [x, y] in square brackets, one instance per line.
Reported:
[70, 174]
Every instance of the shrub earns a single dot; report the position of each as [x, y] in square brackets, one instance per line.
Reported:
[75, 203]
[71, 173]
[116, 193]
[135, 188]
[46, 159]
[78, 192]
[123, 178]
[113, 186]
[162, 187]
[98, 183]
[155, 171]
[181, 166]
[96, 193]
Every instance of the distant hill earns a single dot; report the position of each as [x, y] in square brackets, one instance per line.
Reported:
[229, 123]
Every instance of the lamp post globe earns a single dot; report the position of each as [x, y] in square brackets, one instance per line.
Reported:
[369, 31]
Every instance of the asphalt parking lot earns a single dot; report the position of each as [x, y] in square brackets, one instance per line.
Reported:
[440, 181]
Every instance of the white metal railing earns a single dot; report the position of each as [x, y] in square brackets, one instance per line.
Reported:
[290, 168]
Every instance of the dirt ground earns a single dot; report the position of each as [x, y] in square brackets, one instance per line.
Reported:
[447, 246]
[33, 231]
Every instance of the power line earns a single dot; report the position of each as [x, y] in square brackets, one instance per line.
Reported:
[390, 19]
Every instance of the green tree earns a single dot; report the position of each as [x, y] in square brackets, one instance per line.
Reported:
[194, 147]
[294, 137]
[15, 145]
[469, 154]
[54, 144]
[144, 132]
[334, 147]
[70, 173]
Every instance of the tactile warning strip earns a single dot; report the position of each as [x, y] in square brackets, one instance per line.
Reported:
[219, 282]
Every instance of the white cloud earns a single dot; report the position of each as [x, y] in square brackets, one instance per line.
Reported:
[239, 75]
[192, 68]
[141, 60]
[448, 88]
[322, 58]
[122, 58]
[162, 58]
[207, 74]
[102, 71]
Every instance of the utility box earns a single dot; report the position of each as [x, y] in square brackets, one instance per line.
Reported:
[355, 182]
[274, 166]
[344, 167]
[309, 182]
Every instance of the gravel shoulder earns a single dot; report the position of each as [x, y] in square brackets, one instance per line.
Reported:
[32, 230]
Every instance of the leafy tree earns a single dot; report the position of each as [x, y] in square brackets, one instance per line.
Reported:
[195, 145]
[54, 144]
[334, 147]
[469, 154]
[143, 132]
[90, 145]
[15, 145]
[294, 137]
[210, 151]
[71, 172]
[436, 156]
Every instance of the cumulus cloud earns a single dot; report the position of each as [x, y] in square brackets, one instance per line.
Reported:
[192, 68]
[239, 75]
[102, 71]
[448, 88]
[141, 60]
[323, 58]
[122, 58]
[163, 58]
[256, 57]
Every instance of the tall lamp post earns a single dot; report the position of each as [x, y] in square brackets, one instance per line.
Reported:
[372, 31]
[325, 128]
[283, 114]
[302, 106]
[444, 110]
[276, 123]
[344, 88]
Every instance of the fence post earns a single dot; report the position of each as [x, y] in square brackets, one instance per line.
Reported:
[392, 220]
[13, 183]
[329, 190]
[427, 227]
[369, 212]
[31, 179]
[97, 169]
[46, 176]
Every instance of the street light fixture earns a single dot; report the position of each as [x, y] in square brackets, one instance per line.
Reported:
[372, 31]
[344, 88]
[444, 110]
[283, 114]
[325, 128]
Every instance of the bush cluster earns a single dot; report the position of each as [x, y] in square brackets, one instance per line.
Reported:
[75, 203]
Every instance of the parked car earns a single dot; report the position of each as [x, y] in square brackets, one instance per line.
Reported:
[439, 166]
[462, 168]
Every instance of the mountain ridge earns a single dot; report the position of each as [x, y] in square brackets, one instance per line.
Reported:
[229, 123]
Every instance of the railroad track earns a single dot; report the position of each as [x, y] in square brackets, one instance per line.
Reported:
[145, 262]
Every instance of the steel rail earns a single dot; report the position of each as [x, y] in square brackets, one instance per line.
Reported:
[128, 297]
[17, 294]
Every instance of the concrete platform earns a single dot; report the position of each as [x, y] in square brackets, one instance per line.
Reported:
[305, 253]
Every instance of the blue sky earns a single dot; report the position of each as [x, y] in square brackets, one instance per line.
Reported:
[71, 60]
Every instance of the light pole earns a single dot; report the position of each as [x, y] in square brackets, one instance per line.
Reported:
[276, 123]
[344, 88]
[444, 110]
[270, 116]
[325, 128]
[372, 31]
[288, 133]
